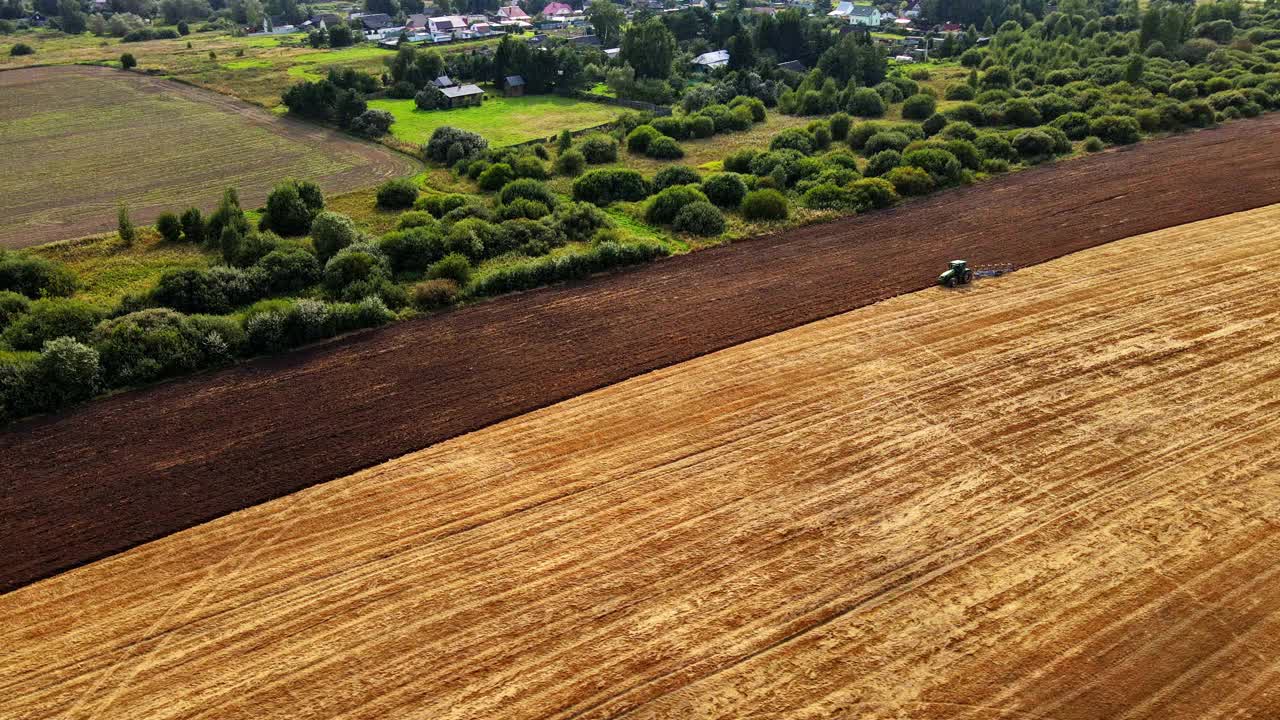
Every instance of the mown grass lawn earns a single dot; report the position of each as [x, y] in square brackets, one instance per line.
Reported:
[503, 121]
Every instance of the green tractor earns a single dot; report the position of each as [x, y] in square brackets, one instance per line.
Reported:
[958, 273]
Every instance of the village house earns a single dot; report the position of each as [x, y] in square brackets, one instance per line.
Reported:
[463, 95]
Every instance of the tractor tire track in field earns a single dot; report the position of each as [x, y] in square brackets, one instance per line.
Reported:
[1050, 495]
[140, 465]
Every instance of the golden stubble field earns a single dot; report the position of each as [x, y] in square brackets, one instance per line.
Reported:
[1053, 495]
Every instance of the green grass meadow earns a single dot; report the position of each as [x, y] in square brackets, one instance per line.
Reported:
[503, 121]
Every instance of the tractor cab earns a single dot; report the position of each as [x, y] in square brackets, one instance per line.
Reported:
[958, 273]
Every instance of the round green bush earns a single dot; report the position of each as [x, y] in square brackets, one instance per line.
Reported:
[598, 148]
[169, 227]
[959, 91]
[740, 161]
[454, 266]
[571, 162]
[725, 189]
[872, 193]
[665, 148]
[1074, 124]
[675, 175]
[578, 221]
[882, 162]
[886, 141]
[994, 145]
[602, 187]
[68, 371]
[522, 208]
[701, 126]
[942, 166]
[397, 194]
[412, 250]
[793, 139]
[865, 102]
[1021, 112]
[495, 176]
[700, 218]
[12, 305]
[1116, 129]
[1093, 143]
[839, 124]
[638, 140]
[827, 196]
[673, 127]
[765, 205]
[919, 106]
[21, 49]
[529, 166]
[360, 263]
[330, 232]
[664, 206]
[416, 218]
[1033, 144]
[959, 130]
[289, 270]
[528, 189]
[910, 181]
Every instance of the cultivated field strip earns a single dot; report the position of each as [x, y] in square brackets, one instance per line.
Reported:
[140, 465]
[77, 141]
[1052, 495]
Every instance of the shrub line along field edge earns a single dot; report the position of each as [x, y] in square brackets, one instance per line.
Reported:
[114, 471]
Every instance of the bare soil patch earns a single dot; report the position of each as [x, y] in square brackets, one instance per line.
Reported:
[77, 141]
[140, 465]
[1052, 495]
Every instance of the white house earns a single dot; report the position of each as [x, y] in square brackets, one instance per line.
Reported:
[868, 15]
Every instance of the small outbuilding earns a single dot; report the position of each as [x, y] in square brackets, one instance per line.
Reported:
[513, 85]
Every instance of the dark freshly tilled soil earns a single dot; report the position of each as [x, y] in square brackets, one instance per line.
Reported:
[140, 465]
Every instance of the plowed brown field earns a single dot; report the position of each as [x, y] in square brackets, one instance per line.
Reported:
[1053, 495]
[140, 465]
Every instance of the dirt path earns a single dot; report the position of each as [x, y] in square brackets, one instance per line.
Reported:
[75, 141]
[140, 465]
[1050, 496]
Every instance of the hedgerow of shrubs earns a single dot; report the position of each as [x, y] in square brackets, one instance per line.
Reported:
[570, 266]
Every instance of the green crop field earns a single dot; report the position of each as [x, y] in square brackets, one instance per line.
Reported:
[80, 140]
[503, 121]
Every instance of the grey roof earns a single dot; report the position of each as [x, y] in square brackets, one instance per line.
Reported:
[461, 91]
[376, 21]
[792, 65]
[514, 81]
[443, 81]
[585, 40]
[862, 10]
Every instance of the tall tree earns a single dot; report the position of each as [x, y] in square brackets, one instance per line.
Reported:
[606, 19]
[649, 48]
